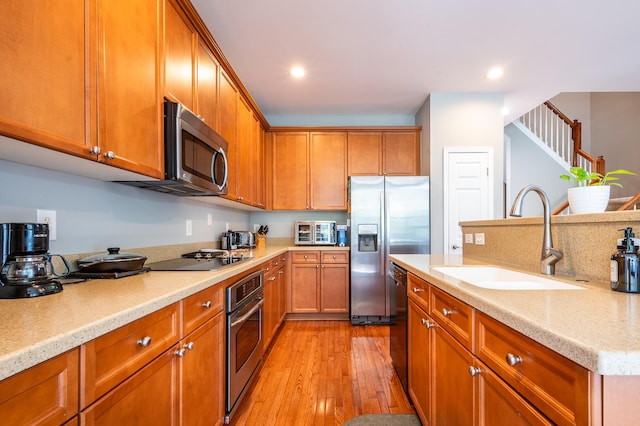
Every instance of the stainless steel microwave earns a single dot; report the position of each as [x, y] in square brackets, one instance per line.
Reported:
[195, 159]
[315, 232]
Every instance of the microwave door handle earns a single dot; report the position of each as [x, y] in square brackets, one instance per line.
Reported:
[226, 169]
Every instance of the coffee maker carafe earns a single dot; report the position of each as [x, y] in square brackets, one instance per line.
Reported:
[27, 270]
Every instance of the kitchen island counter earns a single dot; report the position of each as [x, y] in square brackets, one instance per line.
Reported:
[595, 327]
[40, 328]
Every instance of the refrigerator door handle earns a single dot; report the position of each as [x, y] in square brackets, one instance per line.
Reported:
[382, 236]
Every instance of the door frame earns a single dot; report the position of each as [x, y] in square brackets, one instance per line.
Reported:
[446, 152]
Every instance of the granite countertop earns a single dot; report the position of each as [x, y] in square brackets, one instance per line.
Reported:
[596, 327]
[40, 328]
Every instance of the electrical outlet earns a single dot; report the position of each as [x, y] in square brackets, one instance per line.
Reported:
[189, 227]
[468, 238]
[209, 220]
[256, 227]
[48, 217]
[480, 239]
[226, 226]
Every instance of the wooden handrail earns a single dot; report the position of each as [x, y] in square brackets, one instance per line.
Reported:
[632, 201]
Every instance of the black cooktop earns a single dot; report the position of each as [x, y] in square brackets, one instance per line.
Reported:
[195, 264]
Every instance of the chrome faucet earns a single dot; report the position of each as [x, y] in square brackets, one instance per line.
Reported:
[550, 256]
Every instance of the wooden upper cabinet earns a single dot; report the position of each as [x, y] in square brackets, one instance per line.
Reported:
[44, 69]
[384, 153]
[258, 175]
[244, 147]
[129, 98]
[227, 124]
[365, 153]
[179, 57]
[328, 171]
[207, 86]
[401, 153]
[290, 152]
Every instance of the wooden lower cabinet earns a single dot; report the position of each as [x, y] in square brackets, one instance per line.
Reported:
[320, 282]
[46, 394]
[419, 359]
[274, 297]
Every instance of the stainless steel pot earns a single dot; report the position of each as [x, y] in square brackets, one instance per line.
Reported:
[113, 261]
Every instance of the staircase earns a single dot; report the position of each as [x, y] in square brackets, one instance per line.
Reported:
[561, 138]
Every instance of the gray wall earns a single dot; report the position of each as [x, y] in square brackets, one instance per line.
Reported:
[93, 215]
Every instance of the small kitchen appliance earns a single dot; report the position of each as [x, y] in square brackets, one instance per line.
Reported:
[27, 269]
[315, 232]
[342, 235]
[234, 240]
[624, 264]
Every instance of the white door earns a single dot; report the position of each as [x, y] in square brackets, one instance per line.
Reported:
[468, 192]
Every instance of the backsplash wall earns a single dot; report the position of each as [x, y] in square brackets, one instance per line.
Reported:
[93, 215]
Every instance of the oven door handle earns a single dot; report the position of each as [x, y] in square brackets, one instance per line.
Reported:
[248, 314]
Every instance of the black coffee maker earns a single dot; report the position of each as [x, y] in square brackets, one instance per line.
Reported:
[27, 270]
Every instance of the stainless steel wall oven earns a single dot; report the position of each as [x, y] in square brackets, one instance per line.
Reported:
[244, 308]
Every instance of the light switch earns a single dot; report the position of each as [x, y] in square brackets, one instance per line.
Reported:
[480, 239]
[468, 238]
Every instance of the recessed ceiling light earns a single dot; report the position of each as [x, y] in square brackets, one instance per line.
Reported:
[495, 73]
[297, 72]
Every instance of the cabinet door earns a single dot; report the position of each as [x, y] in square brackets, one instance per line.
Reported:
[202, 375]
[334, 288]
[453, 391]
[149, 397]
[290, 167]
[244, 144]
[258, 170]
[365, 153]
[45, 72]
[401, 153]
[498, 404]
[271, 306]
[129, 98]
[46, 394]
[207, 86]
[305, 287]
[227, 124]
[419, 358]
[282, 294]
[328, 171]
[178, 51]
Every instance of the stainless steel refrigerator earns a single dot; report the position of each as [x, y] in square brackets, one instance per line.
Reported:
[388, 215]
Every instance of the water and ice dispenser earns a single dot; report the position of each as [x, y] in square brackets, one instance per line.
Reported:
[368, 237]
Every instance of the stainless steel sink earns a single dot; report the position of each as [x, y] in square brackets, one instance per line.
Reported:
[495, 278]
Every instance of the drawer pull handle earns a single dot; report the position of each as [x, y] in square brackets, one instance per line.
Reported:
[427, 323]
[513, 360]
[207, 304]
[180, 352]
[446, 312]
[145, 341]
[417, 289]
[474, 371]
[189, 346]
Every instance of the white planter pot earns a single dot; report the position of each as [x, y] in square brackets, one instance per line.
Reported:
[589, 199]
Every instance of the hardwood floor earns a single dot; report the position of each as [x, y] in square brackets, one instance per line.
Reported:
[324, 373]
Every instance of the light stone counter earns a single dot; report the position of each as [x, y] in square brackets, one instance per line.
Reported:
[40, 328]
[596, 327]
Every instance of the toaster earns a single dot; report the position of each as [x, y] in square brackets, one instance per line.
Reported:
[232, 240]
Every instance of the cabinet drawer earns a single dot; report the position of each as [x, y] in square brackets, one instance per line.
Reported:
[335, 256]
[46, 394]
[453, 315]
[555, 385]
[305, 256]
[200, 307]
[418, 289]
[110, 359]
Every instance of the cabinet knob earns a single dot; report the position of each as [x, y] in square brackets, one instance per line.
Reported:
[180, 352]
[428, 323]
[207, 304]
[305, 257]
[109, 155]
[446, 312]
[95, 150]
[317, 266]
[474, 371]
[417, 289]
[281, 272]
[334, 256]
[513, 359]
[188, 346]
[271, 278]
[145, 341]
[275, 263]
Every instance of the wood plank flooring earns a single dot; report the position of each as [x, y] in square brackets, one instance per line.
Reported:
[324, 373]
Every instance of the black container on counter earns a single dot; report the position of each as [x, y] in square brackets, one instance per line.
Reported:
[624, 264]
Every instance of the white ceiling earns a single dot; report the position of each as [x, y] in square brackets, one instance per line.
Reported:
[383, 57]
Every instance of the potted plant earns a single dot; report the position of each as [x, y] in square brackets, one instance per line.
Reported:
[591, 191]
